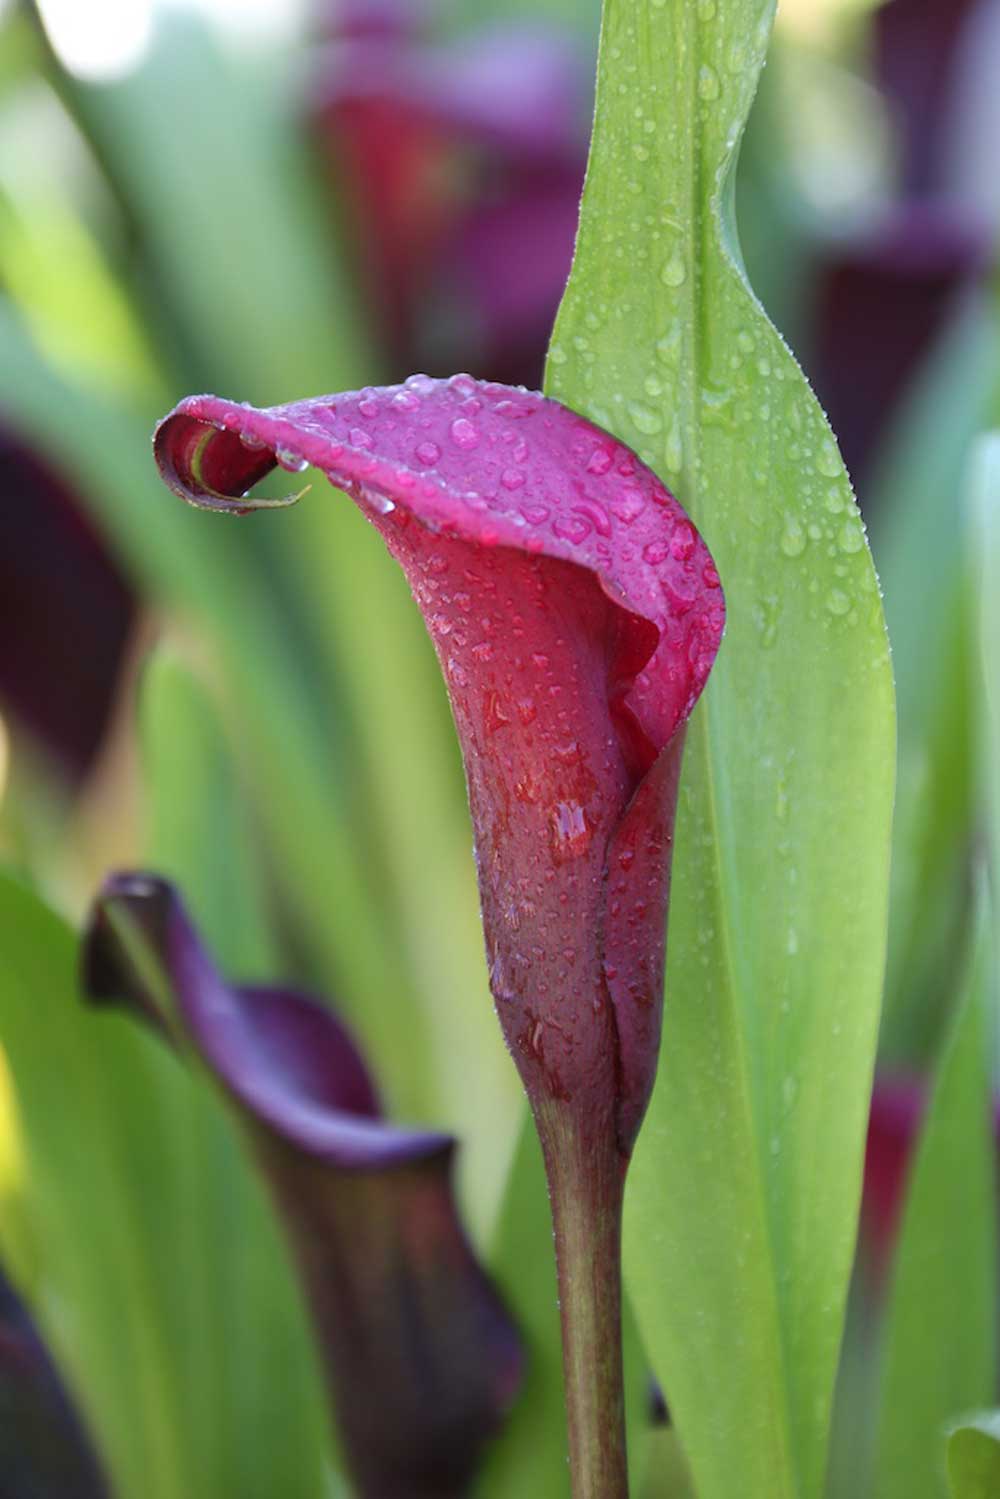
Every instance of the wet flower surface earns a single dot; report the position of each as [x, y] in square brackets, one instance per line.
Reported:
[576, 614]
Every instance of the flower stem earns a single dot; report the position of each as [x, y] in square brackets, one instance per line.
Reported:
[586, 1184]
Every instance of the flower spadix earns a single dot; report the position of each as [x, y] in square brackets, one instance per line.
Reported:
[576, 613]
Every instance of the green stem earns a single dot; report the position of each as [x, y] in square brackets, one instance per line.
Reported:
[586, 1184]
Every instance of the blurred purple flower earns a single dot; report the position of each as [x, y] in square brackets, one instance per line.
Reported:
[463, 163]
[44, 1452]
[915, 47]
[65, 611]
[882, 299]
[422, 1360]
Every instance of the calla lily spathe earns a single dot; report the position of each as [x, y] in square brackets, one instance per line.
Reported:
[576, 613]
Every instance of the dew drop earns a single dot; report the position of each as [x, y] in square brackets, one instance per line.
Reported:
[673, 453]
[645, 419]
[682, 543]
[599, 461]
[512, 478]
[463, 433]
[851, 538]
[828, 460]
[793, 538]
[570, 833]
[292, 462]
[428, 454]
[838, 602]
[674, 272]
[359, 438]
[708, 83]
[627, 505]
[655, 552]
[574, 528]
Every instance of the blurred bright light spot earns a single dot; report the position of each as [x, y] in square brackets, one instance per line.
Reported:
[247, 20]
[11, 1150]
[100, 40]
[817, 20]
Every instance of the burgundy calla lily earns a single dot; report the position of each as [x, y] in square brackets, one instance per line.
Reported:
[576, 614]
[422, 1359]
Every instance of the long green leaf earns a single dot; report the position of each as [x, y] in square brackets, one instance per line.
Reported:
[941, 1354]
[922, 546]
[974, 1458]
[741, 1217]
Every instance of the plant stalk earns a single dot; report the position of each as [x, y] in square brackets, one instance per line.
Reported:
[586, 1186]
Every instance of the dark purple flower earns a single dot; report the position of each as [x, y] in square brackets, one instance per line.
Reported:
[423, 1362]
[65, 611]
[44, 1452]
[882, 299]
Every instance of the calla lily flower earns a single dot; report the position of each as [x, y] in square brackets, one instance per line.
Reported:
[422, 1360]
[576, 613]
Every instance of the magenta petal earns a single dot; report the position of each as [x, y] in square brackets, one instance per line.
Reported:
[576, 613]
[422, 1359]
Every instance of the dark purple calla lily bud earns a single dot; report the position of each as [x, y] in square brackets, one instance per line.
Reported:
[903, 277]
[44, 1451]
[65, 611]
[422, 1359]
[576, 614]
[437, 145]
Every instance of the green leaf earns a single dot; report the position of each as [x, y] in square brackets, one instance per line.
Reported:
[941, 1347]
[922, 546]
[742, 1209]
[157, 1274]
[196, 818]
[985, 487]
[974, 1458]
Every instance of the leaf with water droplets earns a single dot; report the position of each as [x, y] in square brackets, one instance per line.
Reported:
[737, 1253]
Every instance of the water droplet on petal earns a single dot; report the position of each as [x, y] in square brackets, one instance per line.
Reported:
[428, 453]
[463, 433]
[570, 833]
[292, 462]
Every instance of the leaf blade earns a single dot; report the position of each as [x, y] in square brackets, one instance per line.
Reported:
[771, 1015]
